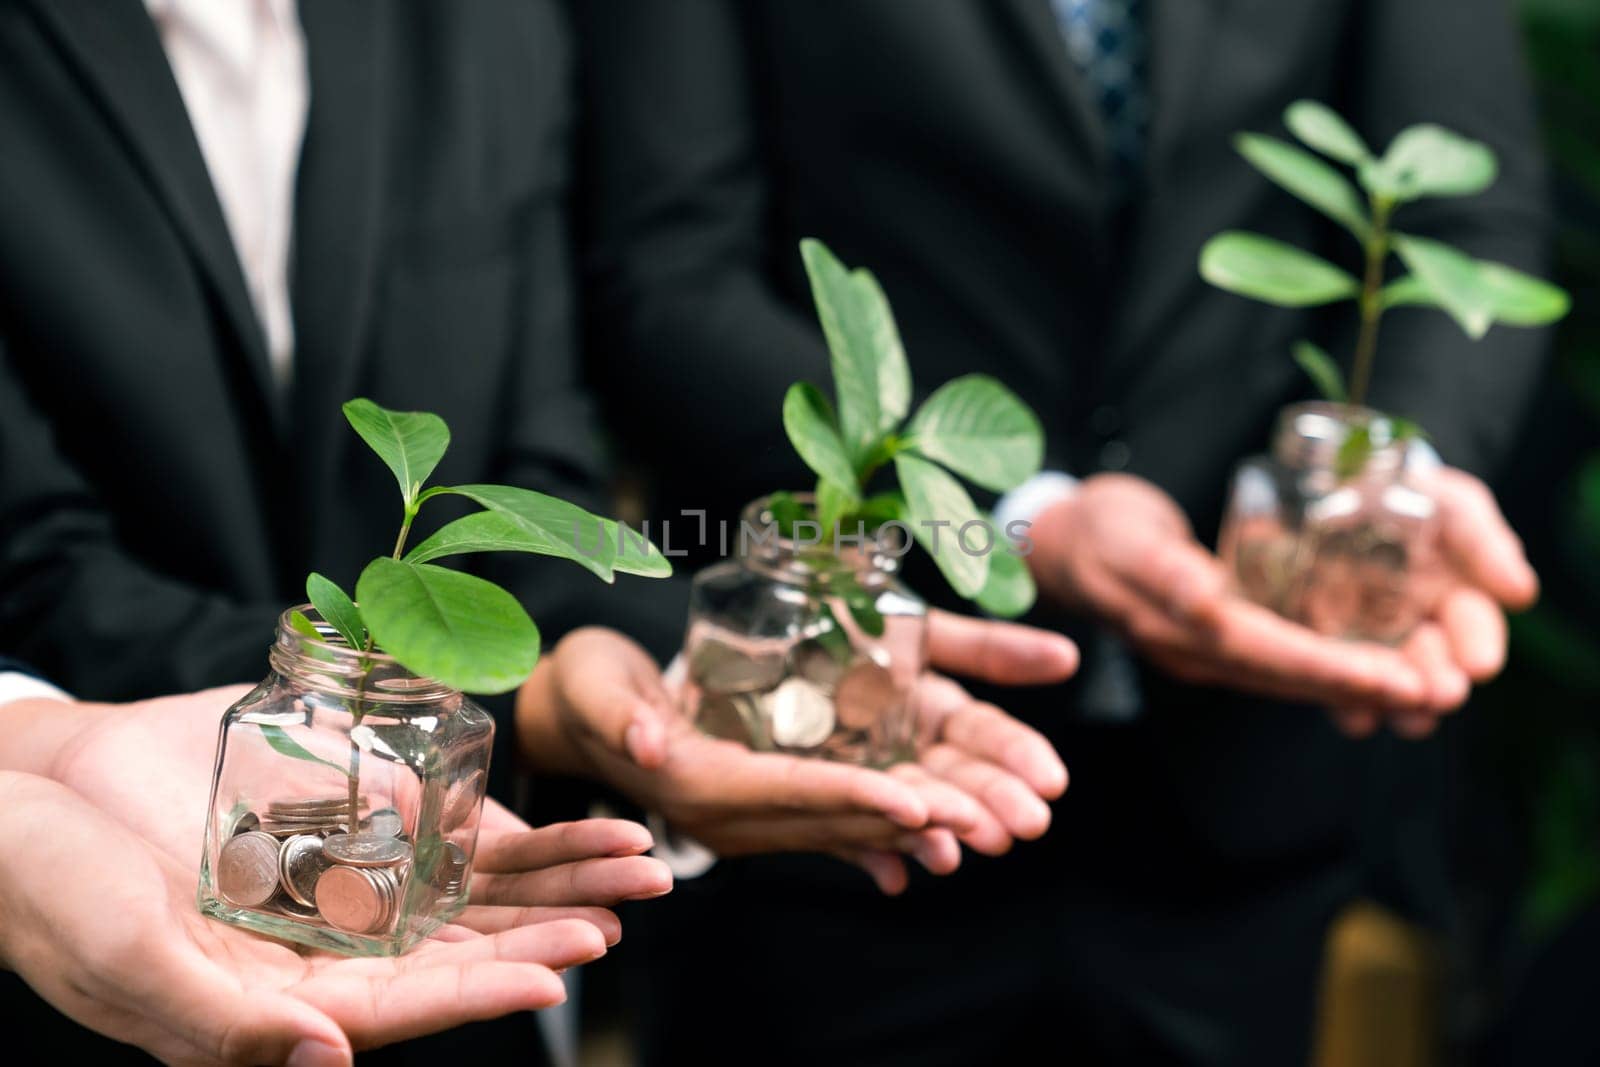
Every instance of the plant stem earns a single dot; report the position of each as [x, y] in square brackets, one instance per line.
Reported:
[358, 706]
[1371, 301]
[405, 529]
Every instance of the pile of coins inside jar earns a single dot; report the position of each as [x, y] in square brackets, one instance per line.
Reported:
[303, 860]
[795, 698]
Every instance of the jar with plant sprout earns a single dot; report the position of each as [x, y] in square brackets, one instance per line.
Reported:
[349, 785]
[807, 642]
[1336, 527]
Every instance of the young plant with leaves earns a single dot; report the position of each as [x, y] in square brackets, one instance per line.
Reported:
[1423, 161]
[458, 629]
[972, 426]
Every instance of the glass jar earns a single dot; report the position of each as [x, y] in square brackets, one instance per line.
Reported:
[346, 799]
[1349, 553]
[807, 646]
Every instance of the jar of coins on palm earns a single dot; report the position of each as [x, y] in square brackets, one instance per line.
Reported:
[1336, 528]
[807, 645]
[346, 800]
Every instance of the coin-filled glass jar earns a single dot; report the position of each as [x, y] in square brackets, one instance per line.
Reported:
[807, 646]
[346, 799]
[1340, 539]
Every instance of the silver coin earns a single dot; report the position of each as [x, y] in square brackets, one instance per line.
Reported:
[461, 800]
[800, 714]
[816, 663]
[246, 822]
[366, 850]
[247, 869]
[385, 822]
[285, 906]
[865, 693]
[352, 899]
[726, 716]
[282, 830]
[451, 873]
[719, 667]
[300, 864]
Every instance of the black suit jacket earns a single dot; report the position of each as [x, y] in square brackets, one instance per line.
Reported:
[160, 499]
[951, 147]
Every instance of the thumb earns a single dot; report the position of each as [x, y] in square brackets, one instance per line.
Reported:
[275, 1028]
[617, 695]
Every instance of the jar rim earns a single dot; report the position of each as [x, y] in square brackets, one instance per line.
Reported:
[336, 668]
[862, 551]
[1310, 435]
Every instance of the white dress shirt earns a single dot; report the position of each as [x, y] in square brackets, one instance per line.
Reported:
[241, 67]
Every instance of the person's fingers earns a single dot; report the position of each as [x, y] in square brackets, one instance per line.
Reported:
[886, 869]
[1005, 653]
[1480, 543]
[1355, 723]
[1430, 651]
[614, 691]
[477, 919]
[937, 850]
[988, 733]
[548, 846]
[1175, 574]
[1010, 800]
[1476, 629]
[600, 882]
[378, 1010]
[271, 1027]
[947, 805]
[714, 776]
[1413, 725]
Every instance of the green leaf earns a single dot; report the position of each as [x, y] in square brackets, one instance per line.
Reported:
[410, 442]
[981, 430]
[1322, 370]
[1009, 591]
[834, 502]
[1514, 298]
[635, 553]
[1308, 178]
[1402, 430]
[285, 745]
[1521, 299]
[870, 376]
[334, 605]
[1260, 267]
[881, 508]
[933, 495]
[1320, 127]
[455, 628]
[1429, 160]
[525, 521]
[863, 609]
[1354, 452]
[785, 511]
[1453, 280]
[319, 647]
[809, 421]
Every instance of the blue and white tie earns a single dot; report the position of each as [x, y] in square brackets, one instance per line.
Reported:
[1108, 42]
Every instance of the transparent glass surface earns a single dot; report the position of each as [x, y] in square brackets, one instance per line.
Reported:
[346, 800]
[806, 649]
[1349, 554]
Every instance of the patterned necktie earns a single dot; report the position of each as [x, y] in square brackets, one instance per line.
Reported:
[1107, 41]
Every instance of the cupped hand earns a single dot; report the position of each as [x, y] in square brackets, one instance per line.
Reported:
[103, 925]
[1122, 550]
[149, 764]
[599, 706]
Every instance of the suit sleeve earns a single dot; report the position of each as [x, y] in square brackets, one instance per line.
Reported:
[1458, 63]
[78, 608]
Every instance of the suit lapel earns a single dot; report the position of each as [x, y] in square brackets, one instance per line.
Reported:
[338, 220]
[119, 55]
[1038, 36]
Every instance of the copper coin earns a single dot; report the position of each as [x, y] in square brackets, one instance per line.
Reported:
[864, 694]
[314, 805]
[727, 717]
[300, 864]
[719, 667]
[813, 661]
[366, 850]
[247, 869]
[352, 899]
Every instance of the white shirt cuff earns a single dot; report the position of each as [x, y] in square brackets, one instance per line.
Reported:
[14, 685]
[1025, 502]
